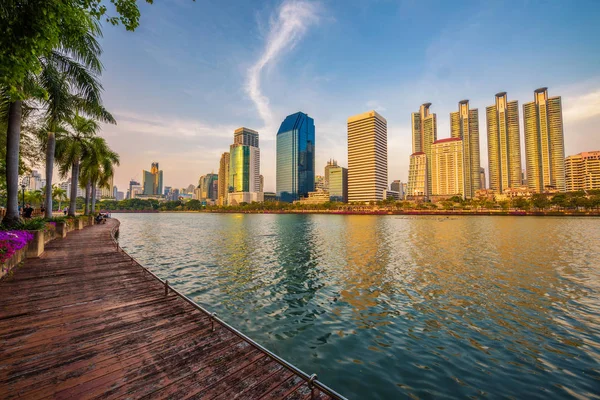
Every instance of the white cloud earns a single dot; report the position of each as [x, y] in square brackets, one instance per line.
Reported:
[286, 29]
[581, 107]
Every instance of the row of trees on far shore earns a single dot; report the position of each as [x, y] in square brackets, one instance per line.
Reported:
[573, 201]
[50, 96]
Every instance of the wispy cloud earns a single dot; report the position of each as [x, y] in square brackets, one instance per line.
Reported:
[170, 126]
[287, 27]
[581, 107]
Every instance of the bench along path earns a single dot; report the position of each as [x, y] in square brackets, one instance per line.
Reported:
[84, 321]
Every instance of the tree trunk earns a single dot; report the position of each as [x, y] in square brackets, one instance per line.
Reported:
[93, 198]
[87, 198]
[74, 181]
[50, 145]
[13, 137]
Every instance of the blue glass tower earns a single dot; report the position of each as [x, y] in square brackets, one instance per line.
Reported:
[295, 157]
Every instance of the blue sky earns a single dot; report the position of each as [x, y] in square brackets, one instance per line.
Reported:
[195, 71]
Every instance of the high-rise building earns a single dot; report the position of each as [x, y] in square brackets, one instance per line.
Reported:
[244, 166]
[417, 176]
[167, 191]
[132, 183]
[295, 157]
[108, 190]
[447, 167]
[246, 137]
[582, 171]
[120, 196]
[223, 179]
[544, 142]
[504, 144]
[482, 180]
[424, 133]
[153, 180]
[206, 187]
[330, 164]
[398, 186]
[464, 125]
[338, 184]
[367, 157]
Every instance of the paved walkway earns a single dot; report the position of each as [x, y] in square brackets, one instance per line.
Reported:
[83, 321]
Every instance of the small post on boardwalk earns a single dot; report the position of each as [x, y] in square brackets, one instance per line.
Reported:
[212, 320]
[166, 288]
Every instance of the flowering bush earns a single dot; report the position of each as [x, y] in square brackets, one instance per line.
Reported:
[11, 242]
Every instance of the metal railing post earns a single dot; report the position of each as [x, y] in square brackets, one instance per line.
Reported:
[311, 385]
[212, 320]
[166, 288]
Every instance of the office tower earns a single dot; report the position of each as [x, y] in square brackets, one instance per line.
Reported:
[330, 164]
[367, 157]
[482, 180]
[504, 144]
[417, 176]
[447, 167]
[223, 179]
[464, 125]
[544, 142]
[397, 186]
[246, 137]
[120, 196]
[153, 180]
[424, 133]
[262, 183]
[582, 171]
[206, 187]
[132, 183]
[295, 157]
[244, 167]
[167, 190]
[338, 184]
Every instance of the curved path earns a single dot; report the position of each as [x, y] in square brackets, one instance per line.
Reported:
[83, 321]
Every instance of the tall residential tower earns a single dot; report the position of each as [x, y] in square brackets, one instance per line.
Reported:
[544, 142]
[367, 157]
[424, 133]
[295, 157]
[464, 124]
[504, 144]
[223, 189]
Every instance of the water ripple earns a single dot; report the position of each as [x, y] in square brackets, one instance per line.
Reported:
[384, 307]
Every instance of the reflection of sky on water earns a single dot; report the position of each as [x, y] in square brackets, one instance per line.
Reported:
[388, 306]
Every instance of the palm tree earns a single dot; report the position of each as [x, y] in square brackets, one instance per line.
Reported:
[34, 197]
[77, 60]
[97, 167]
[71, 148]
[71, 86]
[59, 194]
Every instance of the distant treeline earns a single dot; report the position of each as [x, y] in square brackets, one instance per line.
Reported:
[574, 201]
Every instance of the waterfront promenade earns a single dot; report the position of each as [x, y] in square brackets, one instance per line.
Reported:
[85, 321]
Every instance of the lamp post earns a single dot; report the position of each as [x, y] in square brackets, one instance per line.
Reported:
[24, 184]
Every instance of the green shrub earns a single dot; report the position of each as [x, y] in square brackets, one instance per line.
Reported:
[34, 224]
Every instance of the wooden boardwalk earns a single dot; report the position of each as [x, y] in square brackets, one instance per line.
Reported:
[83, 321]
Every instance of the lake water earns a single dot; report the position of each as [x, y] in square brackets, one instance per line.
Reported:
[389, 306]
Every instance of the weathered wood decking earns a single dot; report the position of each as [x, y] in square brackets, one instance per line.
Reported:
[83, 321]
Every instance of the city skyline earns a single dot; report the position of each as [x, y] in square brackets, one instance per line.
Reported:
[187, 95]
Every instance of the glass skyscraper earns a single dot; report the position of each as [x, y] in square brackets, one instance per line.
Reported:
[295, 157]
